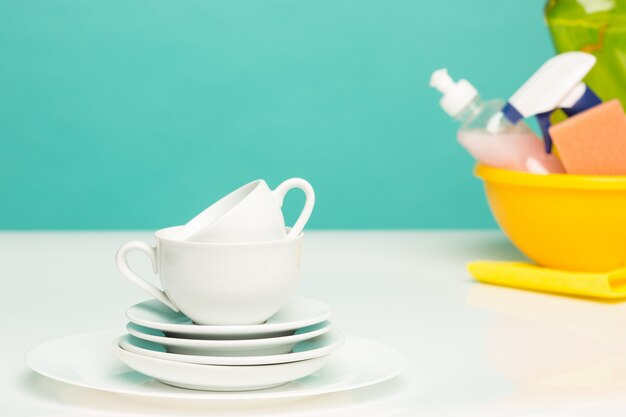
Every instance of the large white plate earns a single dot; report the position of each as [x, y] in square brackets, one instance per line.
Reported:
[239, 347]
[89, 360]
[314, 348]
[298, 312]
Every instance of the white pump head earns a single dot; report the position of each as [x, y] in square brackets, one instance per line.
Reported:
[456, 96]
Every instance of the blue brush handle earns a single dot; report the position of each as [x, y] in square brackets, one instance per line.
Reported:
[544, 124]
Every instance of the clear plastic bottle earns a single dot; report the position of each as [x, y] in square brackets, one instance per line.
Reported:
[486, 135]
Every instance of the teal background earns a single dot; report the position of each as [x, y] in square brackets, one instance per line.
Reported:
[138, 114]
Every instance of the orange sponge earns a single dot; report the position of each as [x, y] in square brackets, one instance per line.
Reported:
[593, 142]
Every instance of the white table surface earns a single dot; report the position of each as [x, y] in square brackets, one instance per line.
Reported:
[473, 349]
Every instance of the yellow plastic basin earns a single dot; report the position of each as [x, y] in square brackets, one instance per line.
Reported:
[571, 222]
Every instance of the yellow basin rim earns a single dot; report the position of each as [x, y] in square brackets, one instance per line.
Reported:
[585, 182]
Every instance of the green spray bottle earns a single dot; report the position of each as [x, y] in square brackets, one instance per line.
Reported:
[599, 28]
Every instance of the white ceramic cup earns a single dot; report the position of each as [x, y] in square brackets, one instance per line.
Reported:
[218, 283]
[252, 213]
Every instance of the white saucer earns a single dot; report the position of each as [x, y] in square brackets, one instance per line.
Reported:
[298, 312]
[88, 360]
[239, 347]
[219, 377]
[309, 349]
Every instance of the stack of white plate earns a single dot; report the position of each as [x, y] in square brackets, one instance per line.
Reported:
[167, 346]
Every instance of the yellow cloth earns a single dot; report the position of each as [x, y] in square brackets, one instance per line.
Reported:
[532, 277]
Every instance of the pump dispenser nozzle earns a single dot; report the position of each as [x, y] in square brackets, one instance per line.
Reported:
[456, 96]
[441, 80]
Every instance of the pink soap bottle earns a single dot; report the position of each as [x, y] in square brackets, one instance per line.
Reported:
[487, 135]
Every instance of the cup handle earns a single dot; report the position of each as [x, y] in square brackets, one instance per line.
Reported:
[282, 190]
[122, 266]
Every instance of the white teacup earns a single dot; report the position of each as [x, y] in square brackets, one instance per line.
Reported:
[219, 283]
[252, 213]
